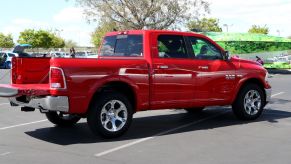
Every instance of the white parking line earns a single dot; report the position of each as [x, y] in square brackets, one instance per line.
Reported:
[277, 94]
[156, 135]
[165, 132]
[29, 123]
[6, 153]
[4, 104]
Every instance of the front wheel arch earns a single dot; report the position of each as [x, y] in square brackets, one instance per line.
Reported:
[248, 82]
[247, 107]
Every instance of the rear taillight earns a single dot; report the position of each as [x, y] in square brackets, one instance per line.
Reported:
[57, 78]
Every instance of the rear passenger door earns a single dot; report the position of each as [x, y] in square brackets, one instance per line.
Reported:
[172, 72]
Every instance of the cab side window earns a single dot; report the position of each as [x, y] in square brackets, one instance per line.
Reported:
[122, 45]
[204, 49]
[172, 46]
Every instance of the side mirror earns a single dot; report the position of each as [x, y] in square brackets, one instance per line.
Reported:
[226, 55]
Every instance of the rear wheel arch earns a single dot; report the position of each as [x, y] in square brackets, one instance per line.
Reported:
[117, 86]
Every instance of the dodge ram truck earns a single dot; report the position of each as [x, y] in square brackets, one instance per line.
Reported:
[138, 70]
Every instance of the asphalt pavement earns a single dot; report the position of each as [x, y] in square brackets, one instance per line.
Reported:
[162, 136]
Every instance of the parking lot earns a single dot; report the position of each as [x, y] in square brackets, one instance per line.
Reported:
[163, 136]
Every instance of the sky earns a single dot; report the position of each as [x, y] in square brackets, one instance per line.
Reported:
[69, 21]
[60, 15]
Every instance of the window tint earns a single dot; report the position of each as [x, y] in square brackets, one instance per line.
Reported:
[204, 49]
[122, 45]
[172, 46]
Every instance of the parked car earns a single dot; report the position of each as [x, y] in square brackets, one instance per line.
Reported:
[86, 54]
[6, 59]
[58, 54]
[138, 70]
[92, 55]
[270, 60]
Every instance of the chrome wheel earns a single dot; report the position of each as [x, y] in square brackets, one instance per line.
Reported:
[113, 115]
[252, 102]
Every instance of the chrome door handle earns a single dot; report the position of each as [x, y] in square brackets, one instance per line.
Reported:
[163, 66]
[203, 67]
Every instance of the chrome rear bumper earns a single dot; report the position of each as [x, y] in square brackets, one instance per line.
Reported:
[59, 103]
[8, 92]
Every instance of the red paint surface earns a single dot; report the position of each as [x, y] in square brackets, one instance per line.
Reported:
[183, 84]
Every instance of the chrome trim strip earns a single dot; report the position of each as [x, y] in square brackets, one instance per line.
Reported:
[59, 103]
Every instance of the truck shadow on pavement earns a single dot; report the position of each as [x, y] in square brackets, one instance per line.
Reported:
[143, 127]
[279, 101]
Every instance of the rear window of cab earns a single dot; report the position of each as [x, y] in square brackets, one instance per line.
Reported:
[122, 45]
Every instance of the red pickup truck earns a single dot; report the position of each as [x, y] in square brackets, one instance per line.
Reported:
[138, 70]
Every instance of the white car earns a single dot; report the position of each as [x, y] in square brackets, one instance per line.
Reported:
[6, 59]
[58, 54]
[86, 54]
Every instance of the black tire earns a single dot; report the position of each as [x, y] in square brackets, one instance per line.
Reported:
[195, 110]
[61, 119]
[246, 106]
[114, 110]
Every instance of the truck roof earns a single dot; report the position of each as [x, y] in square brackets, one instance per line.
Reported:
[143, 32]
[150, 31]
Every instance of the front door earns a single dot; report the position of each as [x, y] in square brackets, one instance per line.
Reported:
[215, 77]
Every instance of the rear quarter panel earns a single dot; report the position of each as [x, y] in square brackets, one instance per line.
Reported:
[85, 76]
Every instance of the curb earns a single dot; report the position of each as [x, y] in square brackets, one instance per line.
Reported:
[279, 71]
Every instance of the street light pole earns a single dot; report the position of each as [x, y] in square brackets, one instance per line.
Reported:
[226, 26]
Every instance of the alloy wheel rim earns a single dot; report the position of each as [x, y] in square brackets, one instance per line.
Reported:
[113, 115]
[252, 102]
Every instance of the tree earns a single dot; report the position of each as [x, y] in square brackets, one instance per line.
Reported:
[70, 44]
[57, 42]
[143, 14]
[205, 25]
[41, 39]
[100, 31]
[258, 29]
[289, 37]
[6, 41]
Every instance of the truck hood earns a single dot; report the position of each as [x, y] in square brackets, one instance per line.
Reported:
[244, 61]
